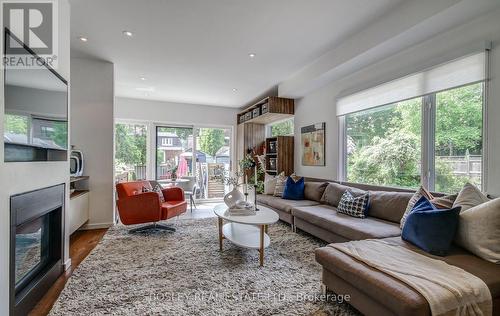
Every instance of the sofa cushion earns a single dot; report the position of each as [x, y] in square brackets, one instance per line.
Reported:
[294, 189]
[314, 190]
[388, 206]
[479, 230]
[354, 206]
[334, 191]
[429, 228]
[470, 196]
[269, 184]
[351, 228]
[444, 201]
[287, 205]
[280, 184]
[396, 295]
[264, 198]
[416, 196]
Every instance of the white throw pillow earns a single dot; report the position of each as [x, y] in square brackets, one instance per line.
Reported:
[469, 197]
[479, 230]
[269, 184]
[280, 184]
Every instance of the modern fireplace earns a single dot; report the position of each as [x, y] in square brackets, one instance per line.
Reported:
[36, 245]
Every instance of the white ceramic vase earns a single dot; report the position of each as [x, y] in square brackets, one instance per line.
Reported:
[233, 197]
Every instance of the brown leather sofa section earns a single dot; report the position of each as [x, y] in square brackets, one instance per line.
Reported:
[372, 292]
[396, 296]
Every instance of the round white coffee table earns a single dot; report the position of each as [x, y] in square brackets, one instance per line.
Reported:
[246, 231]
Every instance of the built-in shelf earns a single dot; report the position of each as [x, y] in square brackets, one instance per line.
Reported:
[78, 202]
[268, 110]
[76, 179]
[77, 193]
[281, 158]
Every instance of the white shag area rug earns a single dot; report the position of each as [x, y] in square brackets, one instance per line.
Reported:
[183, 273]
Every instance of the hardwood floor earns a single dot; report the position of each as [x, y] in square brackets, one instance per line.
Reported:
[81, 244]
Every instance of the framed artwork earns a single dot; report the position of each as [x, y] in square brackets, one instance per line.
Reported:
[313, 144]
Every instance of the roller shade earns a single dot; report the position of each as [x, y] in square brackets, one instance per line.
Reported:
[455, 73]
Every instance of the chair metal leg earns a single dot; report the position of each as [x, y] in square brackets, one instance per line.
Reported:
[194, 202]
[152, 226]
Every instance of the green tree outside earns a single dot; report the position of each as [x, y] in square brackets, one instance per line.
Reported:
[386, 141]
[211, 140]
[130, 144]
[282, 128]
[16, 124]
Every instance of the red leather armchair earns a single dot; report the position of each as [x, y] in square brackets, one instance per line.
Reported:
[136, 207]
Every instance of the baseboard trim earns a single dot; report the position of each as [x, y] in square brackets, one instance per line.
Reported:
[67, 264]
[96, 226]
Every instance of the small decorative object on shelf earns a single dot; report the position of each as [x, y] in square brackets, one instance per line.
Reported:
[272, 164]
[255, 112]
[265, 108]
[272, 148]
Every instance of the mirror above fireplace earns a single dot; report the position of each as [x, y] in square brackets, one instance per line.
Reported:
[36, 112]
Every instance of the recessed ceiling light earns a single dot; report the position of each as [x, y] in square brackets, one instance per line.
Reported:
[83, 38]
[142, 78]
[251, 55]
[234, 89]
[128, 33]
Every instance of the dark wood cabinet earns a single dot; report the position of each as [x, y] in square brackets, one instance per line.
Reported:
[279, 155]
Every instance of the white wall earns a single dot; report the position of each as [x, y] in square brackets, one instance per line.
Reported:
[320, 105]
[21, 177]
[174, 113]
[92, 97]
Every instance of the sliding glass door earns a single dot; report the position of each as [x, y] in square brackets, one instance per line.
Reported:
[214, 148]
[130, 151]
[187, 157]
[174, 152]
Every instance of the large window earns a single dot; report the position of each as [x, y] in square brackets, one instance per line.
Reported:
[130, 152]
[459, 137]
[384, 144]
[283, 128]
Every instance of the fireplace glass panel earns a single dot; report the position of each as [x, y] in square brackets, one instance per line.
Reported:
[31, 248]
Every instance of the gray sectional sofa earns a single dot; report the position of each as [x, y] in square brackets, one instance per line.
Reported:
[372, 292]
[317, 214]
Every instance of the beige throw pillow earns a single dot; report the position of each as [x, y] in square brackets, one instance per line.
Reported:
[469, 197]
[420, 192]
[280, 185]
[269, 184]
[479, 230]
[445, 202]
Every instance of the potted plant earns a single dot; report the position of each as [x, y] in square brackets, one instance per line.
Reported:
[173, 173]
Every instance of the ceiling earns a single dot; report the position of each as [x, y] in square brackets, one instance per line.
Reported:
[197, 51]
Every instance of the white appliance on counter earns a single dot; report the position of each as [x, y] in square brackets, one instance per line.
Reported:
[76, 163]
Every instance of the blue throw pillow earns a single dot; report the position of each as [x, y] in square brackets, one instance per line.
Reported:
[294, 190]
[431, 229]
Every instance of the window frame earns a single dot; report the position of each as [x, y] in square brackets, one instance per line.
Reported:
[428, 134]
